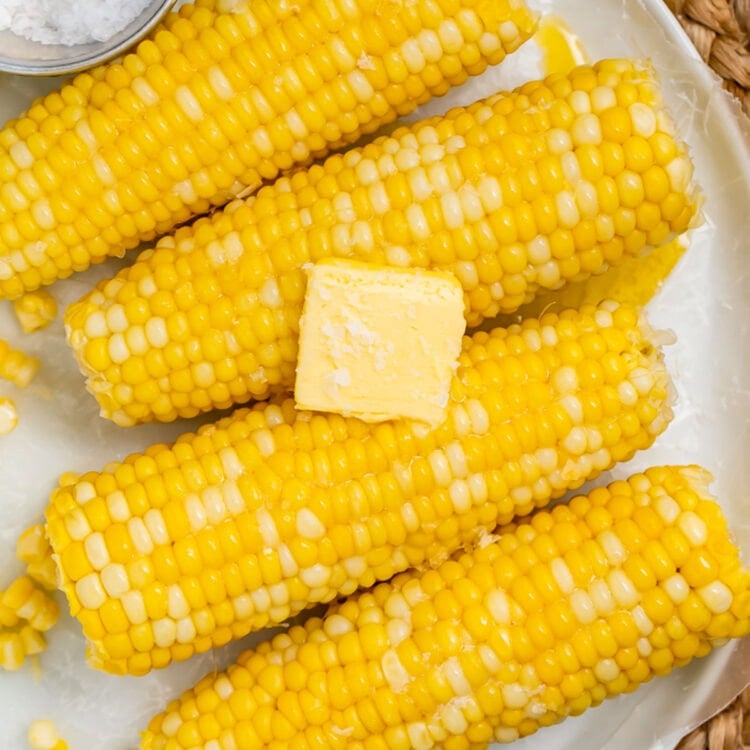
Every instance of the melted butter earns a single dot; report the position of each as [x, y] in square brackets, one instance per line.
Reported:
[561, 49]
[635, 282]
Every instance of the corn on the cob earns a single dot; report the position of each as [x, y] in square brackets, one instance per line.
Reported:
[213, 104]
[568, 608]
[515, 194]
[271, 510]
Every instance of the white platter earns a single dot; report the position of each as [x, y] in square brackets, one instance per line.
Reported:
[705, 301]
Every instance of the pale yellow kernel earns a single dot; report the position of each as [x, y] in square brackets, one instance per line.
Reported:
[667, 508]
[43, 735]
[90, 591]
[440, 468]
[601, 597]
[583, 607]
[623, 590]
[177, 605]
[156, 332]
[567, 209]
[677, 588]
[213, 502]
[76, 524]
[398, 631]
[460, 495]
[165, 632]
[586, 130]
[693, 527]
[336, 625]
[627, 393]
[515, 695]
[355, 566]
[419, 736]
[309, 525]
[680, 172]
[478, 489]
[612, 547]
[96, 550]
[261, 599]
[454, 673]
[454, 721]
[643, 119]
[397, 606]
[606, 670]
[642, 380]
[133, 604]
[8, 416]
[559, 141]
[187, 101]
[571, 168]
[114, 579]
[717, 596]
[316, 575]
[154, 521]
[117, 348]
[642, 621]
[602, 97]
[267, 527]
[498, 605]
[288, 564]
[185, 631]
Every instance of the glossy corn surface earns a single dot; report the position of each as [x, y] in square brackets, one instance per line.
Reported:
[272, 510]
[516, 194]
[222, 96]
[549, 618]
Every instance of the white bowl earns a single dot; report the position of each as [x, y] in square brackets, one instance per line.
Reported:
[25, 57]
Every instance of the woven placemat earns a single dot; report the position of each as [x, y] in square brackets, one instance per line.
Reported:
[720, 31]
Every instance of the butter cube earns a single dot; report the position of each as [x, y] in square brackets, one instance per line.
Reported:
[379, 342]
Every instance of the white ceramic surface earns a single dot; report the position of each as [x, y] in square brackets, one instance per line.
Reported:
[705, 302]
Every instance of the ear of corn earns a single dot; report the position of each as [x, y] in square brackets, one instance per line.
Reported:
[556, 614]
[516, 194]
[214, 103]
[272, 510]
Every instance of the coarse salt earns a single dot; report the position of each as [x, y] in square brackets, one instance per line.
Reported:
[68, 22]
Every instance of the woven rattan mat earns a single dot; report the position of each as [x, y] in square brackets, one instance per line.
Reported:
[720, 30]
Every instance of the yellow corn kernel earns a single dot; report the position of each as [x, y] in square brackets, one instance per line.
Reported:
[43, 735]
[428, 681]
[193, 117]
[32, 545]
[11, 651]
[17, 366]
[511, 204]
[32, 640]
[35, 310]
[8, 416]
[250, 520]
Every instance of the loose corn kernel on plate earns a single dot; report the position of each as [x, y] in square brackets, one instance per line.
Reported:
[704, 301]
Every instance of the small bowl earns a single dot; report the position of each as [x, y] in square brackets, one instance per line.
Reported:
[24, 57]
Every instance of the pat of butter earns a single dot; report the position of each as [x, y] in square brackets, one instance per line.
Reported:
[379, 342]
